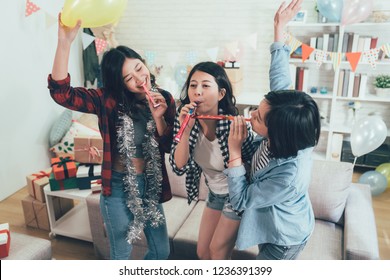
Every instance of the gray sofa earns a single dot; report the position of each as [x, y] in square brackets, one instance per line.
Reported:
[344, 229]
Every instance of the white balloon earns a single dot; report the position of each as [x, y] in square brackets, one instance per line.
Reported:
[367, 135]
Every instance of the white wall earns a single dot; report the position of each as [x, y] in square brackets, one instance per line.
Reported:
[26, 110]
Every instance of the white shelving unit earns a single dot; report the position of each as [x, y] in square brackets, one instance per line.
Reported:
[74, 223]
[335, 108]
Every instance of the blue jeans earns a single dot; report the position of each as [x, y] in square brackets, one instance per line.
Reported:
[117, 218]
[270, 251]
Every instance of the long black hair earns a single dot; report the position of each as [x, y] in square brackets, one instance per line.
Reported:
[293, 122]
[228, 102]
[111, 70]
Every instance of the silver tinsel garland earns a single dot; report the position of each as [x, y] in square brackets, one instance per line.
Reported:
[144, 208]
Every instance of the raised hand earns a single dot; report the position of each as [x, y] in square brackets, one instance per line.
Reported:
[283, 15]
[67, 34]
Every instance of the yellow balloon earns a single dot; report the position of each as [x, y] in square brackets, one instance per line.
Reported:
[92, 13]
[384, 169]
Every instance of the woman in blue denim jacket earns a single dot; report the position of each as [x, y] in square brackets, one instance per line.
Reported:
[278, 216]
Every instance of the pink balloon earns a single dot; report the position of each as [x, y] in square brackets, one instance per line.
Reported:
[356, 11]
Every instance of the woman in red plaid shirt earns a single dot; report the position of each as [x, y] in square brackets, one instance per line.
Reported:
[136, 133]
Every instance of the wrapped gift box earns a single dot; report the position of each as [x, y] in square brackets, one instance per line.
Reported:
[96, 186]
[36, 182]
[5, 240]
[59, 185]
[88, 149]
[63, 167]
[86, 173]
[35, 213]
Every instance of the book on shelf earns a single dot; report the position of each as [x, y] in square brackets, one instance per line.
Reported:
[331, 43]
[350, 41]
[363, 85]
[325, 41]
[320, 43]
[345, 83]
[374, 42]
[313, 44]
[340, 83]
[356, 85]
[345, 43]
[336, 42]
[351, 84]
[355, 42]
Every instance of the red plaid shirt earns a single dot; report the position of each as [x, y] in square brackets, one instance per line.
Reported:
[98, 102]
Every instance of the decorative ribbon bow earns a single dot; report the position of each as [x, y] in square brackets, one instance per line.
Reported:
[40, 175]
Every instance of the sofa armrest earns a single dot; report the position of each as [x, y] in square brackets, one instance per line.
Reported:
[360, 236]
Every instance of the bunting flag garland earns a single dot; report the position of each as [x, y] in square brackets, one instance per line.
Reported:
[320, 57]
[336, 60]
[372, 56]
[86, 40]
[353, 58]
[294, 43]
[306, 51]
[386, 49]
[31, 8]
[100, 45]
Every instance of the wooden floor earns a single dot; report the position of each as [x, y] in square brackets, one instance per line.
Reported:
[65, 248]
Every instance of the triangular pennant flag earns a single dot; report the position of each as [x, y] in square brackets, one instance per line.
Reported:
[192, 57]
[30, 8]
[213, 53]
[320, 57]
[353, 58]
[372, 57]
[86, 40]
[173, 58]
[51, 7]
[336, 60]
[100, 45]
[50, 20]
[232, 48]
[386, 49]
[251, 40]
[150, 57]
[293, 43]
[306, 51]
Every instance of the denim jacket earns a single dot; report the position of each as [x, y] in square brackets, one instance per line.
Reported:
[276, 205]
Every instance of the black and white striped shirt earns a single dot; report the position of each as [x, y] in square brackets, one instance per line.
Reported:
[261, 157]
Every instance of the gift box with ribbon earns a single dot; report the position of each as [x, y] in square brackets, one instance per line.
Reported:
[36, 182]
[96, 186]
[35, 213]
[88, 149]
[59, 185]
[5, 240]
[86, 173]
[63, 167]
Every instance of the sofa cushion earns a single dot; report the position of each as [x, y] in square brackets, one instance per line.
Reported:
[326, 242]
[185, 241]
[329, 189]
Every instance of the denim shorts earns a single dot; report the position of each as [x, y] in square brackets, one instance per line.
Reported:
[270, 251]
[221, 202]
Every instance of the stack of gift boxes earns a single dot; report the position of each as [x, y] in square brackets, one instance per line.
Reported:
[81, 171]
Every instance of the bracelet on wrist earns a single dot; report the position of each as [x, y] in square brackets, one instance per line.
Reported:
[231, 160]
